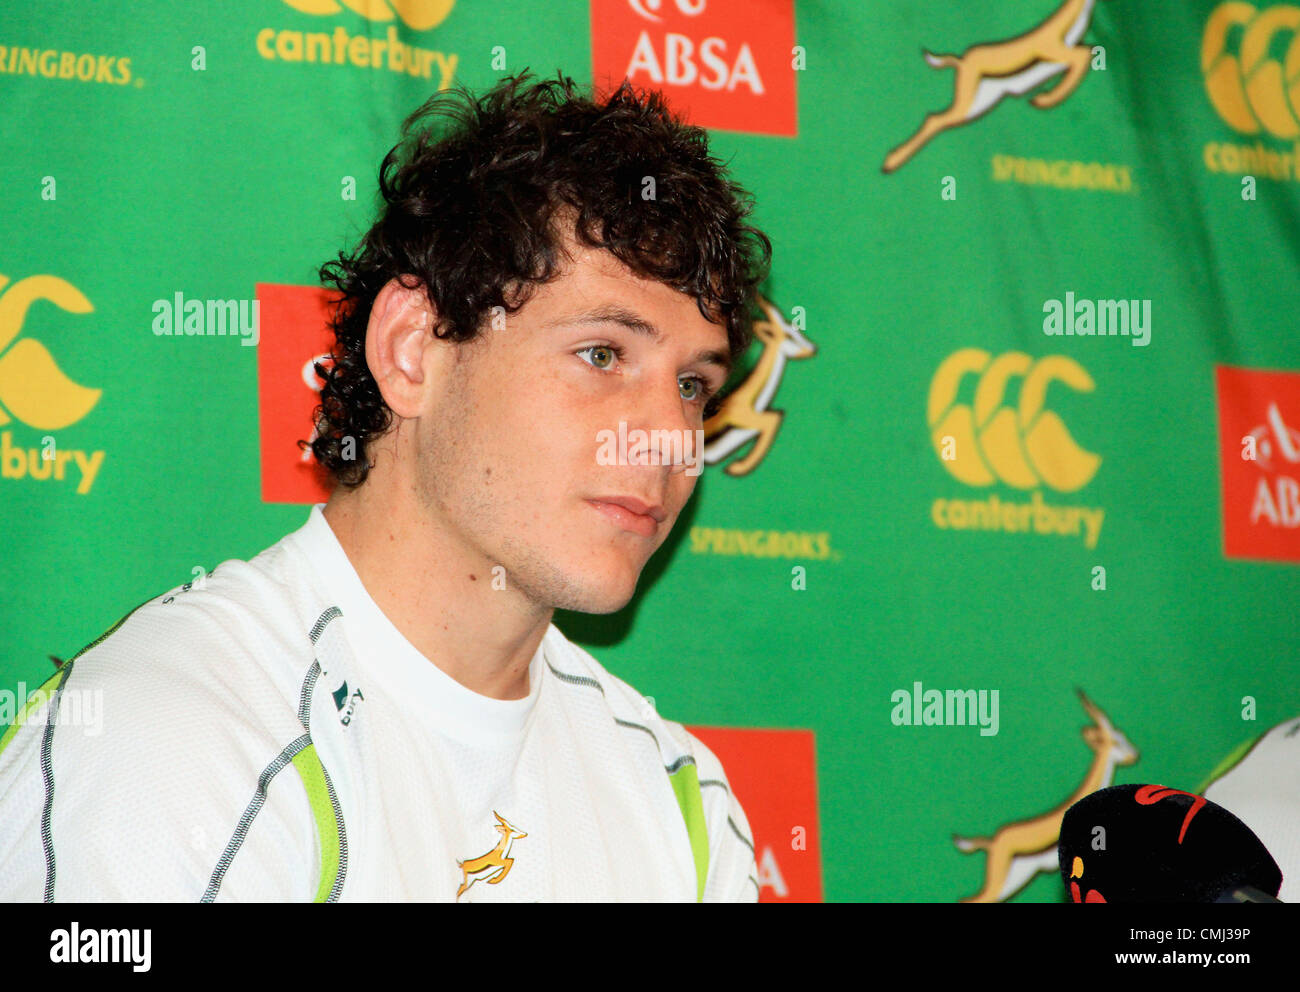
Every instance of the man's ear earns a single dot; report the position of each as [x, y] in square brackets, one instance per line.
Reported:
[398, 342]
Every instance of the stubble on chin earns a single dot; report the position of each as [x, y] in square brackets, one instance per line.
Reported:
[466, 488]
[467, 494]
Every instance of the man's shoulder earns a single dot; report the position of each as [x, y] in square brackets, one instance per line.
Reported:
[145, 748]
[1259, 783]
[215, 664]
[629, 706]
[731, 872]
[243, 620]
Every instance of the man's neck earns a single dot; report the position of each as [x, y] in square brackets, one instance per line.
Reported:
[437, 592]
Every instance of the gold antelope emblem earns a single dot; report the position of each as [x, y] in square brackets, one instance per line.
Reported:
[987, 73]
[746, 413]
[1020, 850]
[497, 861]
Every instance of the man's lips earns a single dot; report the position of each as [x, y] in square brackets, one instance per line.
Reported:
[617, 510]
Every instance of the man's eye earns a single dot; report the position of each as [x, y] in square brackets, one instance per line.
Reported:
[613, 351]
[604, 355]
[702, 393]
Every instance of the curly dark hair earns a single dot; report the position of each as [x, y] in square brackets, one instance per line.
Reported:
[472, 216]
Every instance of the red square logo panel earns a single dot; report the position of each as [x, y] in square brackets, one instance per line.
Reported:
[773, 775]
[723, 64]
[1259, 458]
[295, 333]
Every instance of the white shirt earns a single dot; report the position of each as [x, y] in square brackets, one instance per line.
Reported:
[1260, 788]
[268, 734]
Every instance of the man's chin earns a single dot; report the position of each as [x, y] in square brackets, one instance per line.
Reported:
[598, 602]
[607, 594]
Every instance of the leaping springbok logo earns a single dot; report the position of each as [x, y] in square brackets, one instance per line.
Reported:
[1020, 850]
[497, 860]
[746, 412]
[987, 73]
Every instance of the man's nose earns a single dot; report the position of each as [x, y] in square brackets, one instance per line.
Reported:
[673, 437]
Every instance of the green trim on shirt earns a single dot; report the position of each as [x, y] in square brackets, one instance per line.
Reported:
[1229, 763]
[312, 773]
[686, 787]
[38, 696]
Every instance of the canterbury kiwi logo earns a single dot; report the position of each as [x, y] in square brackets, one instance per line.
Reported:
[33, 388]
[987, 442]
[1251, 89]
[418, 15]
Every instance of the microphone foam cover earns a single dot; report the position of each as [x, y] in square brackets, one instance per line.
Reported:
[1149, 843]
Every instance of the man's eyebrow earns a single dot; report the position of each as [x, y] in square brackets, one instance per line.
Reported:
[612, 313]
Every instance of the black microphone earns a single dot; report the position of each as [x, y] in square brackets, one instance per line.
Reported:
[1153, 844]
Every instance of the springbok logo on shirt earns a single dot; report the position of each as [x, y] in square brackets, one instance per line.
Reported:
[496, 863]
[987, 73]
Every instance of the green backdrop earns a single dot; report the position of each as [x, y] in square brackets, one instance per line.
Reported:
[170, 179]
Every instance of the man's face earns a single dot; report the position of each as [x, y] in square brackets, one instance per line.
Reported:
[512, 460]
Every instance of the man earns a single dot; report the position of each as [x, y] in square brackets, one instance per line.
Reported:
[1258, 783]
[378, 706]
